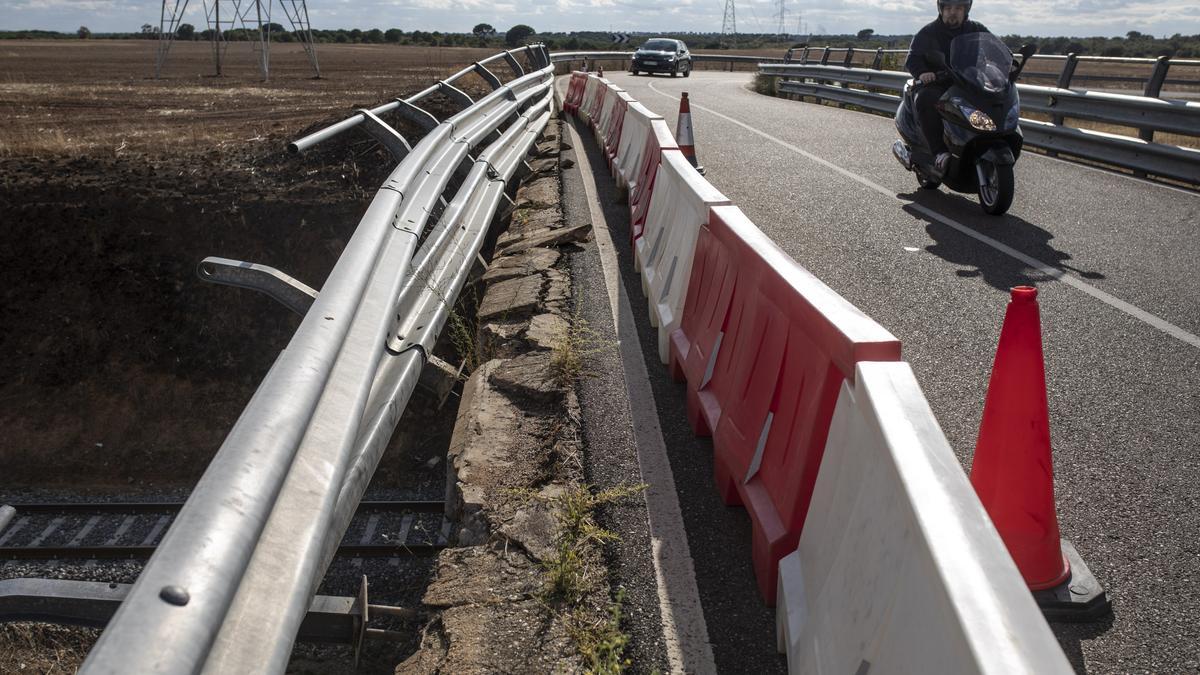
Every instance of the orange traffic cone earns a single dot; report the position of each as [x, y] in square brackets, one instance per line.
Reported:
[1013, 475]
[683, 133]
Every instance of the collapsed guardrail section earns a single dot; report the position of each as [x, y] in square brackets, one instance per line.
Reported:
[866, 531]
[865, 88]
[233, 577]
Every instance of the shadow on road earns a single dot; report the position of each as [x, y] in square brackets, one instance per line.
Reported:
[1071, 636]
[998, 269]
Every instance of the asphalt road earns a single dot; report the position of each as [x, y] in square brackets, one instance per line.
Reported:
[1115, 263]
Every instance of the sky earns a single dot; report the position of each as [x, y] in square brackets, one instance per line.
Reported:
[1076, 18]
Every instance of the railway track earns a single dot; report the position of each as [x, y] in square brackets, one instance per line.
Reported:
[123, 530]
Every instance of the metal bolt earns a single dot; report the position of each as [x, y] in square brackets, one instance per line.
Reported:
[176, 595]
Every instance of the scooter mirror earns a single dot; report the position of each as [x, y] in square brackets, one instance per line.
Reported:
[1027, 50]
[937, 58]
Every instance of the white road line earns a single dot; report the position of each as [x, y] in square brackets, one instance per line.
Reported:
[1110, 300]
[684, 628]
[1078, 165]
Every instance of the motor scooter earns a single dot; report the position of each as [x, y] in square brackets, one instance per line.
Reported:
[980, 113]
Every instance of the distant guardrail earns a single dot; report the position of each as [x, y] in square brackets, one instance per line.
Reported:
[878, 91]
[234, 576]
[1152, 82]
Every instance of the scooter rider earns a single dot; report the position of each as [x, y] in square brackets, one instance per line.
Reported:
[936, 36]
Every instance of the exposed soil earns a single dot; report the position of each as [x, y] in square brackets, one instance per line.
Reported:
[120, 366]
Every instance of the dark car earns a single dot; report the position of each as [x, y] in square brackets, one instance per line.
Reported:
[662, 55]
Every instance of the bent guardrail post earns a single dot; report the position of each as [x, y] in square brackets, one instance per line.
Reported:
[385, 134]
[280, 287]
[487, 75]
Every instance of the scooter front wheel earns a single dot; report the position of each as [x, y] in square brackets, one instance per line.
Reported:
[996, 186]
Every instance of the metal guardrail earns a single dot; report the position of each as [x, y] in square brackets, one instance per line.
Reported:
[1152, 83]
[233, 577]
[1147, 114]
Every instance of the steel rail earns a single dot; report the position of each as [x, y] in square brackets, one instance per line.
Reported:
[93, 508]
[1148, 114]
[537, 55]
[288, 564]
[279, 488]
[122, 552]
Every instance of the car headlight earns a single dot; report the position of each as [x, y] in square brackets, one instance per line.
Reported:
[977, 118]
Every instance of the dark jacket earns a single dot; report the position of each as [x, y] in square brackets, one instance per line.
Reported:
[936, 36]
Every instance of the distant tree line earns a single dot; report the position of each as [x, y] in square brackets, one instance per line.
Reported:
[1134, 43]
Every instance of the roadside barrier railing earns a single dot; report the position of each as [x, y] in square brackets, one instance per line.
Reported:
[1155, 78]
[879, 91]
[231, 581]
[865, 528]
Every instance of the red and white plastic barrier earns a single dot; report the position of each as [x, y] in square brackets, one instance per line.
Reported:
[658, 142]
[679, 207]
[630, 149]
[865, 530]
[899, 566]
[575, 89]
[767, 385]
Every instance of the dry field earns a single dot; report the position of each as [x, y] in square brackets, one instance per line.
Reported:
[78, 97]
[120, 368]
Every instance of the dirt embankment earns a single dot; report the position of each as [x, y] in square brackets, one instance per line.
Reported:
[119, 366]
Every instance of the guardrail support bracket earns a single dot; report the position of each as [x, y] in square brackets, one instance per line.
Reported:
[514, 64]
[287, 291]
[487, 75]
[418, 116]
[387, 136]
[455, 94]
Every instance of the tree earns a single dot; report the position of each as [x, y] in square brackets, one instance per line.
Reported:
[186, 31]
[518, 34]
[149, 31]
[83, 33]
[393, 35]
[866, 33]
[483, 30]
[374, 36]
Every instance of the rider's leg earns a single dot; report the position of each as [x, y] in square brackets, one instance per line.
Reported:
[928, 117]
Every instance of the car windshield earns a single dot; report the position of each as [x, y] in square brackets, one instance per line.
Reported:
[981, 58]
[659, 46]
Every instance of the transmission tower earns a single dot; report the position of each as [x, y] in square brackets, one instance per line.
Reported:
[728, 26]
[781, 15]
[254, 16]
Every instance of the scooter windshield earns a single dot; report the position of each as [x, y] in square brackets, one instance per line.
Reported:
[982, 59]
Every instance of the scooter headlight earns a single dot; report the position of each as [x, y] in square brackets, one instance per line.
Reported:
[978, 119]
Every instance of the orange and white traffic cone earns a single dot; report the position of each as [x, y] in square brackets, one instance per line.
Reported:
[683, 133]
[1013, 475]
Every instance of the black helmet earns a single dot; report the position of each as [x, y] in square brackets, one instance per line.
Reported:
[944, 3]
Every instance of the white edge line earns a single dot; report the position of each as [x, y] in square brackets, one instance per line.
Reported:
[1108, 299]
[684, 628]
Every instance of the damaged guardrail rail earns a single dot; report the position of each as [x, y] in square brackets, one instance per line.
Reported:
[866, 88]
[230, 583]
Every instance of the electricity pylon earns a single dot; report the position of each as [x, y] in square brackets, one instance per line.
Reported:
[224, 15]
[728, 26]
